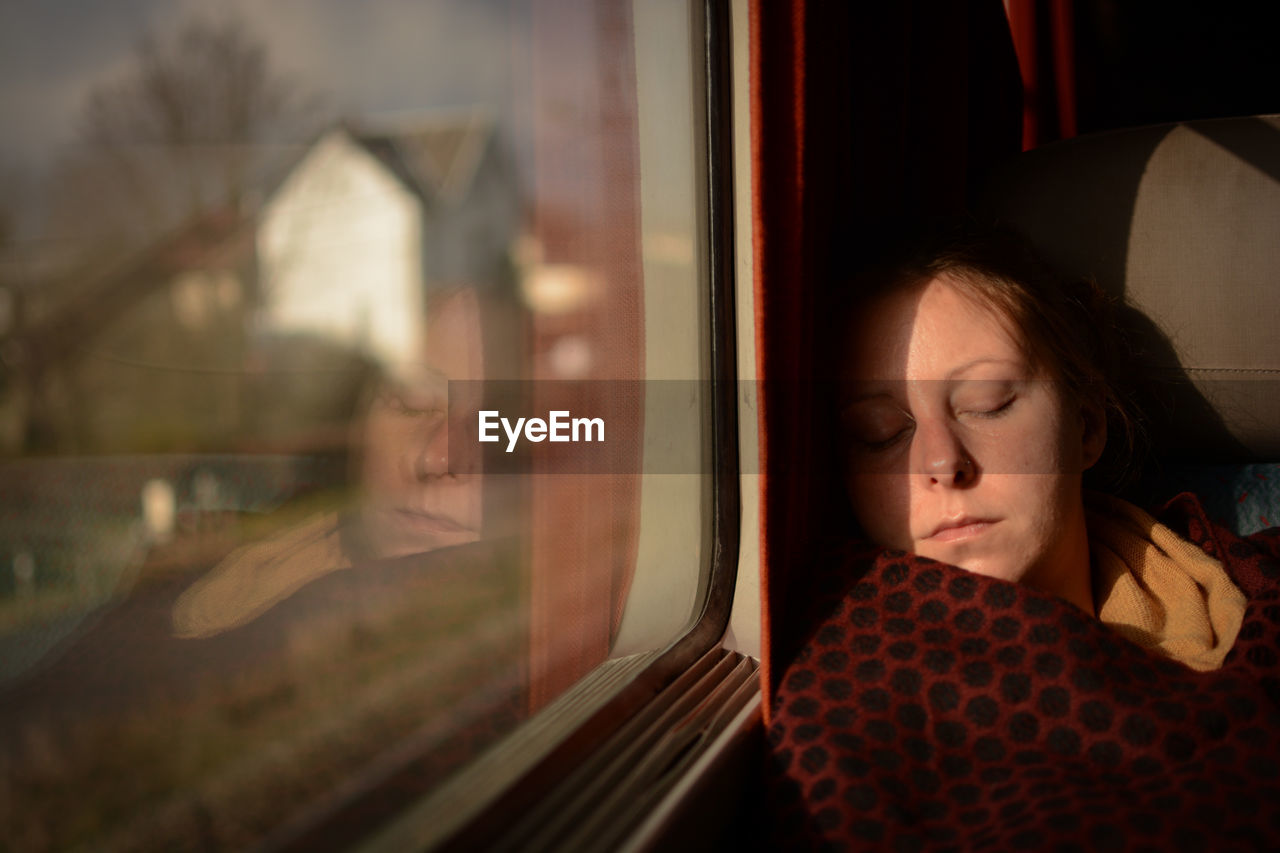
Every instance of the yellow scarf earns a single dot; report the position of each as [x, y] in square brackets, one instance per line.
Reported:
[1158, 590]
[257, 577]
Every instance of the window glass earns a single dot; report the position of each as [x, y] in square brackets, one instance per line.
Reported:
[278, 282]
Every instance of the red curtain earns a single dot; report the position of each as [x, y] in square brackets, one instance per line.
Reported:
[1044, 37]
[862, 115]
[587, 226]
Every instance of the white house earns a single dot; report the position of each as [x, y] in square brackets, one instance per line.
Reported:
[371, 219]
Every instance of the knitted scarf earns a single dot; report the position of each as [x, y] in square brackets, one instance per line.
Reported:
[1158, 590]
[935, 708]
[255, 578]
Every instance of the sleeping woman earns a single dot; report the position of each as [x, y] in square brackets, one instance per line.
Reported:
[1014, 661]
[411, 501]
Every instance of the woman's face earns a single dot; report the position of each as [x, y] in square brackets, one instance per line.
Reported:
[958, 448]
[414, 500]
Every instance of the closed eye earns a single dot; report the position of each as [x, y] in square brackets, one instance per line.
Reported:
[876, 445]
[407, 406]
[994, 412]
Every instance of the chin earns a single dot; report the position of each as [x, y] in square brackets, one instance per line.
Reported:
[387, 535]
[999, 567]
[405, 549]
[994, 569]
[408, 550]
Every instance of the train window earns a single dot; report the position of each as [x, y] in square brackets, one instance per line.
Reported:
[362, 400]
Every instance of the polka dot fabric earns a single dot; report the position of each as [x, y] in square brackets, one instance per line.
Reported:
[937, 709]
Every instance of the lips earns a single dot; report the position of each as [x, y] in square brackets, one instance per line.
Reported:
[425, 522]
[960, 528]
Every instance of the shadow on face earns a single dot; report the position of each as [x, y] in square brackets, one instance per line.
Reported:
[959, 447]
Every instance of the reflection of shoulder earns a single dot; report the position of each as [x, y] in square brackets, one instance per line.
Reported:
[253, 579]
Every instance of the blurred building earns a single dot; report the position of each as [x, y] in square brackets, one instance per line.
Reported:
[369, 219]
[255, 329]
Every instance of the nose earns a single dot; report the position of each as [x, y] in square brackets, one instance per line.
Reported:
[430, 450]
[940, 457]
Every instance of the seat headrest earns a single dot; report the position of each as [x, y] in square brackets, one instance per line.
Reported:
[1183, 222]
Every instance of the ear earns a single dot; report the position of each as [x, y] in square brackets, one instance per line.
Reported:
[1093, 437]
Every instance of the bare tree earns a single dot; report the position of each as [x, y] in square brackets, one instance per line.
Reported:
[182, 130]
[167, 152]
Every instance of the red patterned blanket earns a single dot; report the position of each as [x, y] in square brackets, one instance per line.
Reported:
[935, 708]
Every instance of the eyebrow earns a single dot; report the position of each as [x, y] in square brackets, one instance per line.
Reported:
[967, 366]
[878, 393]
[869, 395]
[417, 375]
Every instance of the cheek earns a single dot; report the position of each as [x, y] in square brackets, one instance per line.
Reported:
[1035, 441]
[882, 505]
[382, 454]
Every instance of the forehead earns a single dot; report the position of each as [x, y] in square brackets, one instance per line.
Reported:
[451, 345]
[454, 336]
[935, 330]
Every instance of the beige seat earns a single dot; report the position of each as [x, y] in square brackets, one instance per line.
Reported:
[1184, 221]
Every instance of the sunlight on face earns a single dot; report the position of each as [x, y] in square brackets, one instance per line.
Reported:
[958, 447]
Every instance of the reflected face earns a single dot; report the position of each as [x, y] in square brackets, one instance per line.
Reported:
[413, 502]
[958, 447]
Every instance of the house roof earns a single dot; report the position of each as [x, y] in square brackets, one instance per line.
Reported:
[436, 156]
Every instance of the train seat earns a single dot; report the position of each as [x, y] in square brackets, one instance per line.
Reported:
[1183, 222]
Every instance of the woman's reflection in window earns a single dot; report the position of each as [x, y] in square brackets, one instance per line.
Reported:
[413, 497]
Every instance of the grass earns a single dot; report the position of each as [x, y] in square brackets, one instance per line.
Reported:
[222, 769]
[77, 576]
[115, 557]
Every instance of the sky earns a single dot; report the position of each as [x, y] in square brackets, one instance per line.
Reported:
[371, 58]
